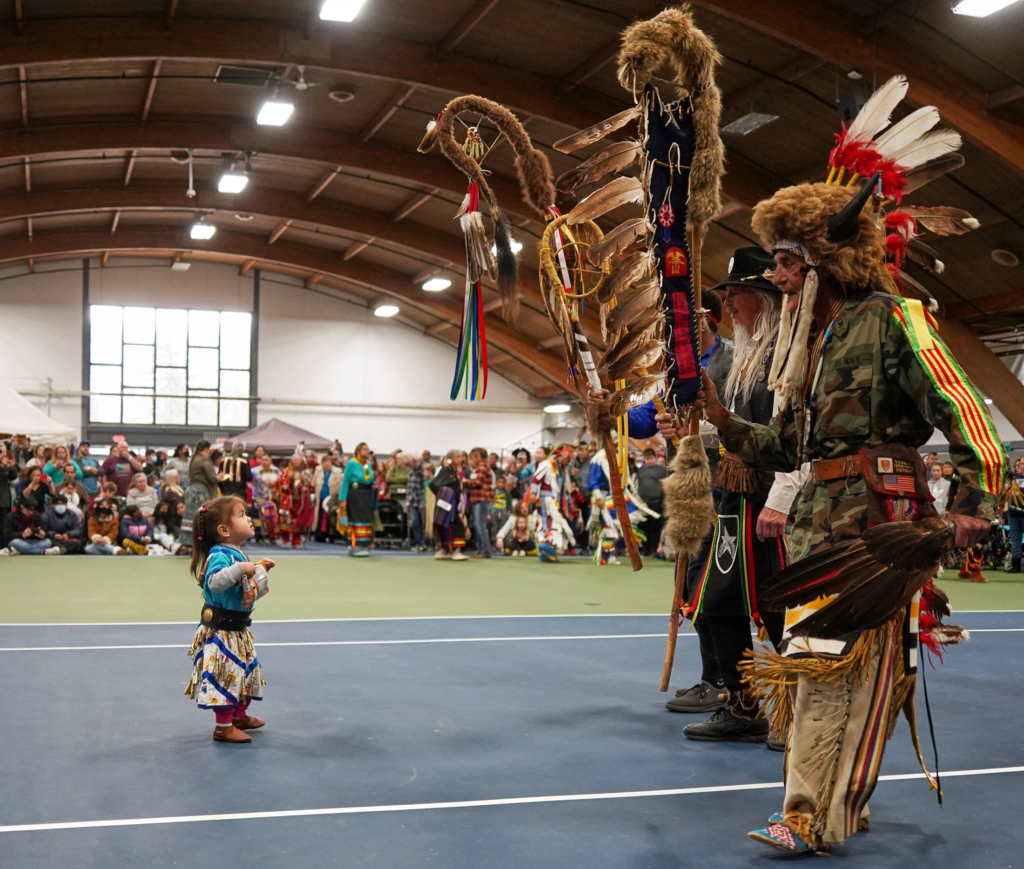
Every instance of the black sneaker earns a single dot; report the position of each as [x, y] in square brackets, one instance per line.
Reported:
[702, 697]
[775, 744]
[723, 726]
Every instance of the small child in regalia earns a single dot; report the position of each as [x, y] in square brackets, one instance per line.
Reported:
[226, 673]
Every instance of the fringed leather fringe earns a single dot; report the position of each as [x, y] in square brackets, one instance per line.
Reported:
[736, 475]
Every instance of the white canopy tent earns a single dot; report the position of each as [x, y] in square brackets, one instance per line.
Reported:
[19, 416]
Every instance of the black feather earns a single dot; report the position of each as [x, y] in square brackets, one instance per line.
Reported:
[508, 270]
[872, 578]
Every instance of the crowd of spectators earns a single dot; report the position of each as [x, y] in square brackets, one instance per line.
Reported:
[58, 500]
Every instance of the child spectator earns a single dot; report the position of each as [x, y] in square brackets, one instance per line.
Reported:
[103, 532]
[63, 527]
[521, 541]
[165, 519]
[74, 491]
[136, 531]
[502, 504]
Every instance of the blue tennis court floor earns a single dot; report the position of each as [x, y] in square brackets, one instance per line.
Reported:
[459, 743]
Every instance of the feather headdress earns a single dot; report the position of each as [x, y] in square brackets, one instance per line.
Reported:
[873, 246]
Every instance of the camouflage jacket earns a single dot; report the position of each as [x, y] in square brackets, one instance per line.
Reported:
[885, 378]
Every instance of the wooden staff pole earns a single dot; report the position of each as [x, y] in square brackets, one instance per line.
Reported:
[696, 240]
[619, 499]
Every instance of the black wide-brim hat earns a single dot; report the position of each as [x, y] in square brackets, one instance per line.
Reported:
[752, 267]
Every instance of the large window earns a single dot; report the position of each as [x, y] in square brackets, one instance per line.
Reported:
[169, 366]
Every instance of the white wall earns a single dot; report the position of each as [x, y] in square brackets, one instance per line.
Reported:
[312, 348]
[316, 349]
[41, 334]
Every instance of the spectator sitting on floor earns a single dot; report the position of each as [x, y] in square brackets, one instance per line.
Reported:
[142, 495]
[24, 533]
[103, 532]
[108, 492]
[63, 527]
[136, 532]
[74, 491]
[35, 488]
[171, 490]
[521, 541]
[165, 521]
[519, 509]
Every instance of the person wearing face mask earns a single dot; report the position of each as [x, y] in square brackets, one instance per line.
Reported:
[63, 526]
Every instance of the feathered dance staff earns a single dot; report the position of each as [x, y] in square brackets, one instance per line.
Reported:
[651, 299]
[486, 254]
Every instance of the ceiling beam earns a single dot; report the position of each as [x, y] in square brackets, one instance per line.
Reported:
[279, 231]
[439, 327]
[246, 265]
[833, 38]
[150, 90]
[301, 143]
[19, 16]
[312, 281]
[170, 9]
[356, 249]
[286, 207]
[104, 258]
[385, 112]
[115, 222]
[242, 246]
[322, 183]
[405, 210]
[781, 77]
[129, 167]
[593, 64]
[24, 95]
[1004, 97]
[28, 176]
[464, 26]
[341, 52]
[978, 308]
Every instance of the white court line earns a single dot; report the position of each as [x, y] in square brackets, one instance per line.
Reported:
[410, 642]
[360, 619]
[462, 804]
[349, 642]
[389, 619]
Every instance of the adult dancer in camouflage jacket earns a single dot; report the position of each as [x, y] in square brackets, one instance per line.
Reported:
[863, 383]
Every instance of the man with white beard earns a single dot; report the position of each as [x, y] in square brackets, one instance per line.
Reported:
[746, 546]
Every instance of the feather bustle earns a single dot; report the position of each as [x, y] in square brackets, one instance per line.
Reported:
[619, 241]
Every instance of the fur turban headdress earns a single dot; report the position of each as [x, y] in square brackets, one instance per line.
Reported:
[801, 213]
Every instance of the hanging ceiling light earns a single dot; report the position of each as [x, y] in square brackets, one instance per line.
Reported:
[385, 310]
[340, 10]
[557, 408]
[202, 231]
[435, 285]
[748, 123]
[980, 8]
[232, 182]
[275, 113]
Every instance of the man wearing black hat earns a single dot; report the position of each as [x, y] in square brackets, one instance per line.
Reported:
[746, 547]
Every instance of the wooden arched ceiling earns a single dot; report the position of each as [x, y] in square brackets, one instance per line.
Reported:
[94, 111]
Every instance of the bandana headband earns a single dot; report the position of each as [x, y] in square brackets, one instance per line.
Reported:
[793, 247]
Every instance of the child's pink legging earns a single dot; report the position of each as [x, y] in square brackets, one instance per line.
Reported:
[229, 713]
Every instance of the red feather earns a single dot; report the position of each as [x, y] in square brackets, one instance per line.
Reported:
[861, 158]
[928, 638]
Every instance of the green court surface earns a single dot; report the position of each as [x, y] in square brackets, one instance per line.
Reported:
[137, 589]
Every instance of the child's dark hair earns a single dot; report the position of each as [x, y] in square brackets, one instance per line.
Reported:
[204, 529]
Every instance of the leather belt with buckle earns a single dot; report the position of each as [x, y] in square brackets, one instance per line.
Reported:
[825, 470]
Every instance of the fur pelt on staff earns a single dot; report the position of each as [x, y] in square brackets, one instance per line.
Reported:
[536, 180]
[672, 42]
[689, 508]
